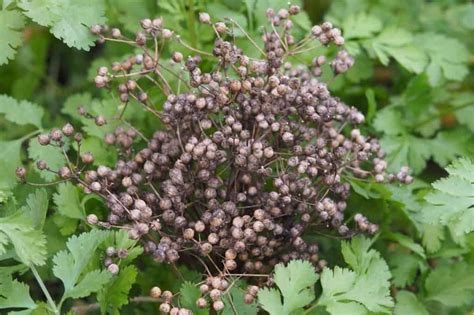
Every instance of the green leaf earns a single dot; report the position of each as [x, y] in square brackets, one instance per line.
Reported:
[234, 303]
[115, 294]
[389, 120]
[29, 244]
[368, 285]
[433, 235]
[449, 145]
[407, 242]
[9, 161]
[36, 207]
[103, 155]
[120, 239]
[406, 150]
[69, 20]
[73, 102]
[451, 285]
[189, 294]
[361, 25]
[20, 112]
[451, 203]
[270, 301]
[91, 282]
[465, 103]
[68, 202]
[53, 156]
[14, 294]
[70, 264]
[407, 303]
[447, 57]
[398, 43]
[295, 281]
[11, 25]
[404, 268]
[223, 12]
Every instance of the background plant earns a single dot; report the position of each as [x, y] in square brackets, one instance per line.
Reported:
[412, 79]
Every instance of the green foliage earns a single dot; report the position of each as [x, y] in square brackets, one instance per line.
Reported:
[295, 282]
[363, 289]
[11, 22]
[234, 303]
[14, 294]
[29, 244]
[115, 293]
[452, 201]
[70, 264]
[360, 290]
[68, 202]
[452, 285]
[407, 303]
[21, 112]
[69, 20]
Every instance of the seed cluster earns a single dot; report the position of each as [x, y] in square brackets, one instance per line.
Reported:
[253, 154]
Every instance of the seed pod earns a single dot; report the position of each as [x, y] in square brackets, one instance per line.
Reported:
[155, 292]
[43, 139]
[20, 172]
[92, 219]
[87, 158]
[113, 269]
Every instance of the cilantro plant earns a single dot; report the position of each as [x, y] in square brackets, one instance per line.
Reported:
[236, 157]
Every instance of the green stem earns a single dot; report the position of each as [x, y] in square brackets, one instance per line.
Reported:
[31, 134]
[191, 23]
[45, 290]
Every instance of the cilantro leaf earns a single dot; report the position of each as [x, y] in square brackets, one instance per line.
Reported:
[464, 109]
[70, 264]
[91, 282]
[11, 23]
[68, 202]
[404, 268]
[453, 198]
[407, 303]
[36, 207]
[189, 294]
[295, 281]
[448, 145]
[398, 43]
[9, 161]
[14, 294]
[361, 25]
[451, 285]
[52, 155]
[406, 150]
[120, 239]
[389, 120]
[364, 289]
[115, 293]
[29, 244]
[447, 57]
[433, 235]
[69, 20]
[234, 303]
[21, 112]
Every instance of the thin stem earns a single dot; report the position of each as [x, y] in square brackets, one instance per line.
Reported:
[192, 26]
[178, 38]
[45, 290]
